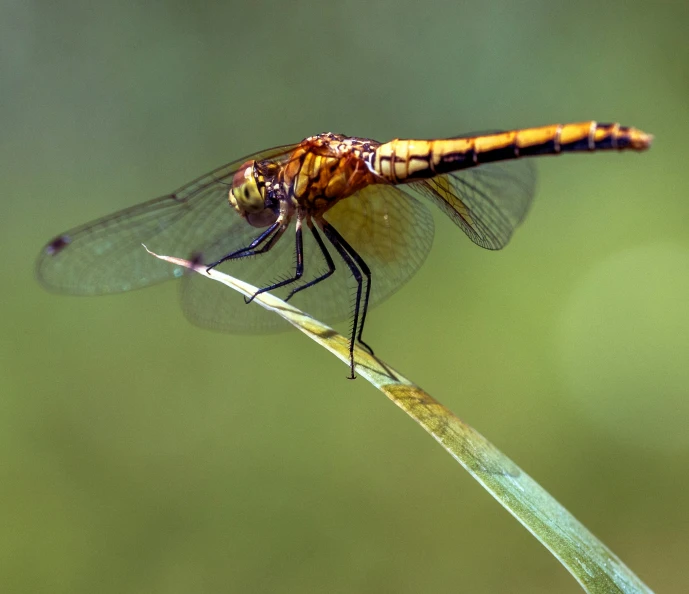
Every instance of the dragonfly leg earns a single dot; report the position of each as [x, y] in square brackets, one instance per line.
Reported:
[299, 251]
[367, 273]
[363, 267]
[328, 261]
[250, 250]
[353, 261]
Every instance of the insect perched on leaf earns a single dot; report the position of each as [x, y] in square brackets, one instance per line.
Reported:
[353, 208]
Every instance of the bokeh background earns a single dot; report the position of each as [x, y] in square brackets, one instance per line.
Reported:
[141, 454]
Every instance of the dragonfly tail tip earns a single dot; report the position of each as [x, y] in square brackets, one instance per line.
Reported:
[640, 140]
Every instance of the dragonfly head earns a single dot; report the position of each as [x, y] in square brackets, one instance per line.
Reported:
[250, 198]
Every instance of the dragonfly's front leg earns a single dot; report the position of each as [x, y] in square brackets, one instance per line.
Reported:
[277, 229]
[299, 257]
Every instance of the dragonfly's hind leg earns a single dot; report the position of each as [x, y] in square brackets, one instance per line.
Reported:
[356, 266]
[363, 267]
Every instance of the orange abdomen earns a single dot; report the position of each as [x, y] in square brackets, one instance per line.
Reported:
[400, 161]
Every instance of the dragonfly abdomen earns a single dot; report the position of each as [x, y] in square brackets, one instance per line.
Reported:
[400, 161]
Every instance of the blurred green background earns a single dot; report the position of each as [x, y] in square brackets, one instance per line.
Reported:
[142, 454]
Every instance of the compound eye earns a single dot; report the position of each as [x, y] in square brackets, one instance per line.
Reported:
[246, 196]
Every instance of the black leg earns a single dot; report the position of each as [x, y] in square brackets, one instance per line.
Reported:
[299, 249]
[336, 239]
[328, 261]
[367, 273]
[250, 250]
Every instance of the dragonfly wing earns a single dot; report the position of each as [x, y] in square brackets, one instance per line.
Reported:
[106, 255]
[391, 230]
[487, 202]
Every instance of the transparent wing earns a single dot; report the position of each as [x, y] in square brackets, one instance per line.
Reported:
[106, 256]
[487, 202]
[391, 230]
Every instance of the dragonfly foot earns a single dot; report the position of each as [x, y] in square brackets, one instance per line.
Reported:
[248, 300]
[368, 348]
[352, 375]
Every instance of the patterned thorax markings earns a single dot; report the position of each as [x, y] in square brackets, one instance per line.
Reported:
[326, 168]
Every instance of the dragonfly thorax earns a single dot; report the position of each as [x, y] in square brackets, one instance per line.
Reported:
[327, 168]
[250, 197]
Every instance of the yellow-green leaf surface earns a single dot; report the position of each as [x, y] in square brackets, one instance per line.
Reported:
[593, 565]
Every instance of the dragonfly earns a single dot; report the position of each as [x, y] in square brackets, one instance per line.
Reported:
[351, 205]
